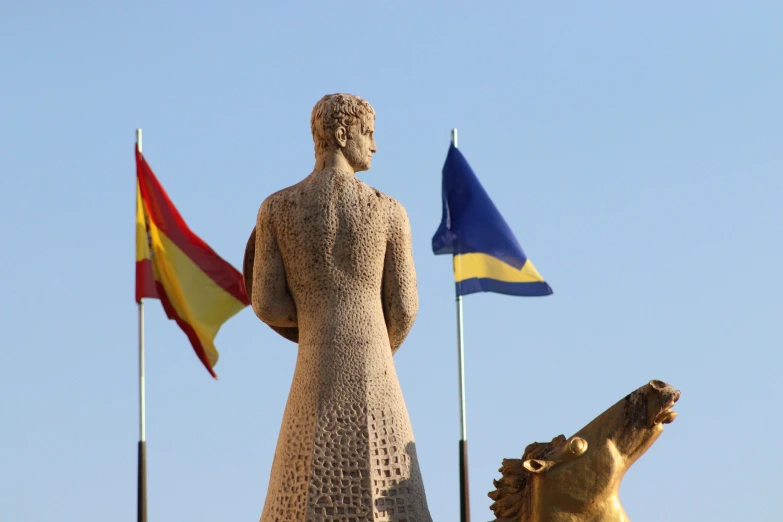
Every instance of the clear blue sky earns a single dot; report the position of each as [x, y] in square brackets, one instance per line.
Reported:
[634, 148]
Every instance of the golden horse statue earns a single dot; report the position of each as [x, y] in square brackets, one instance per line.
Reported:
[578, 479]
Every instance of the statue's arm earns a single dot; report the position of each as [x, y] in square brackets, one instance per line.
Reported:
[399, 294]
[289, 332]
[272, 301]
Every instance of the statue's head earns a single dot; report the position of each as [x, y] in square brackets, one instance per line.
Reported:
[347, 123]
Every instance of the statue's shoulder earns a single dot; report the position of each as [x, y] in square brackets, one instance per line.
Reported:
[394, 206]
[397, 212]
[280, 199]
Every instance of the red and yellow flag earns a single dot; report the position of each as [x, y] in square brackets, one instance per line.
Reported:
[198, 289]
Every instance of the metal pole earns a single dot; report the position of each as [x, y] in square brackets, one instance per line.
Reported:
[141, 507]
[464, 495]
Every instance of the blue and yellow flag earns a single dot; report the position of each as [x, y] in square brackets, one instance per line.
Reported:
[487, 256]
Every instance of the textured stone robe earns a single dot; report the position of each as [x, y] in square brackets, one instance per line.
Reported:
[333, 268]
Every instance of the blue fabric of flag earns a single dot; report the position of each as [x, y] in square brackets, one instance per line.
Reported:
[487, 255]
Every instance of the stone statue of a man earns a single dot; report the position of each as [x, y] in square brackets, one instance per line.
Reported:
[330, 266]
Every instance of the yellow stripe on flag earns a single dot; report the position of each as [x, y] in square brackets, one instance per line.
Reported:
[194, 296]
[142, 243]
[476, 265]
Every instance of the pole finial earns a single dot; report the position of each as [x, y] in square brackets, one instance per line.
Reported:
[454, 136]
[138, 139]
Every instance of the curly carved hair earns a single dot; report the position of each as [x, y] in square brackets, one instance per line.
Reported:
[512, 496]
[335, 110]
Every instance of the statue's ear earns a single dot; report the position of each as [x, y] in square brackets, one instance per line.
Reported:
[537, 466]
[341, 136]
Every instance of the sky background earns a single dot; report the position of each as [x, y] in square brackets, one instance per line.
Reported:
[634, 148]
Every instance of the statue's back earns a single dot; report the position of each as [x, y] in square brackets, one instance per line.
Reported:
[332, 233]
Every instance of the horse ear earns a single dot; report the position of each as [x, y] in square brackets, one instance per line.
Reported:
[537, 466]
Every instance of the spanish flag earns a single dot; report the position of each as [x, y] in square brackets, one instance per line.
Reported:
[198, 289]
[487, 256]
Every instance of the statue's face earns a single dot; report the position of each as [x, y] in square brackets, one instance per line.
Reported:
[360, 147]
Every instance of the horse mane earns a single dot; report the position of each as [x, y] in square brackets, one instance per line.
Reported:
[512, 496]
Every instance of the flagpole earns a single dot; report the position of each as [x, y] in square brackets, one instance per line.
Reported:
[463, 441]
[141, 506]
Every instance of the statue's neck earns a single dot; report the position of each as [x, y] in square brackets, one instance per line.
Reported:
[334, 160]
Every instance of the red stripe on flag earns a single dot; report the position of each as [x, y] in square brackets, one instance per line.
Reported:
[164, 214]
[145, 280]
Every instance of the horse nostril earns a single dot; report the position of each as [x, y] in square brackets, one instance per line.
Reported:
[658, 385]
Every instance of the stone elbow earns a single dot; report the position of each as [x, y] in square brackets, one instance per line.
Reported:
[261, 309]
[411, 309]
[404, 321]
[408, 315]
[403, 315]
[274, 315]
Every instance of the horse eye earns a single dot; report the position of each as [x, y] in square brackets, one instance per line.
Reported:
[577, 445]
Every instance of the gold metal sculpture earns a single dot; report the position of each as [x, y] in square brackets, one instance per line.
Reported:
[578, 479]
